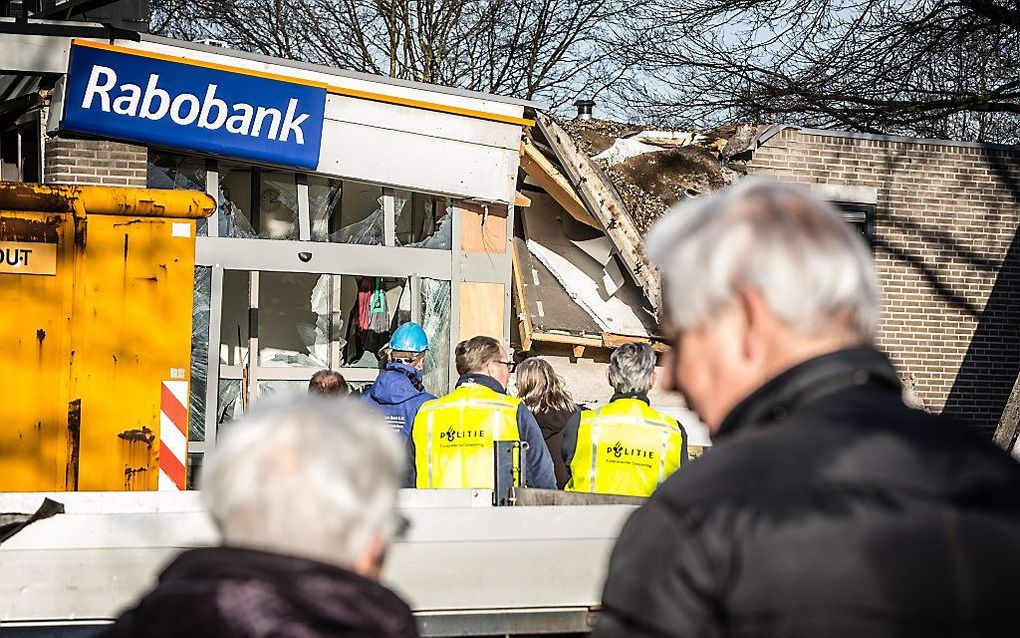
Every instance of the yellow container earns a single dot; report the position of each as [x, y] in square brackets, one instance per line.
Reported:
[96, 286]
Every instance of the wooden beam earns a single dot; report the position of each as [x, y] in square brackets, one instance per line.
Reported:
[611, 340]
[604, 203]
[578, 351]
[540, 169]
[573, 340]
[524, 321]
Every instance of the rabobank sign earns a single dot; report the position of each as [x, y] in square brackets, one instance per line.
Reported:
[123, 95]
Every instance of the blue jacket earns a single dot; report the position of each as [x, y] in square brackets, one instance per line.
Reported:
[540, 466]
[395, 396]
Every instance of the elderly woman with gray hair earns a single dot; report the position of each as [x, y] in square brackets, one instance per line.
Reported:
[304, 494]
[826, 506]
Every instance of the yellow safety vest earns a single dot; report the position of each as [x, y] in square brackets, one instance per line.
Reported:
[454, 435]
[625, 448]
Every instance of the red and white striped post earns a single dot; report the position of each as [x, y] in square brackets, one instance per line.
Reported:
[173, 436]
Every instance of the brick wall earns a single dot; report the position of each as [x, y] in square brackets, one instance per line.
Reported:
[79, 161]
[947, 250]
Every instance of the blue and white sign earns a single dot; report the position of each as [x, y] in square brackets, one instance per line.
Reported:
[178, 105]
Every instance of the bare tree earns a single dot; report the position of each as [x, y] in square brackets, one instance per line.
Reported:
[940, 68]
[551, 50]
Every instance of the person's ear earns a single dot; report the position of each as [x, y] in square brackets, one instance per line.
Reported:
[754, 321]
[654, 377]
[370, 563]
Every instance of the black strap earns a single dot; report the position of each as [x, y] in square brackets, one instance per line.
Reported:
[412, 377]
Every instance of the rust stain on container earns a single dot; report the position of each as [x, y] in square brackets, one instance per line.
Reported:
[73, 444]
[83, 374]
[143, 435]
[30, 230]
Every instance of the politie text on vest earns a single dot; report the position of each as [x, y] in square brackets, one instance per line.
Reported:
[212, 113]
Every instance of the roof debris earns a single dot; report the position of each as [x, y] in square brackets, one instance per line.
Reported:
[654, 168]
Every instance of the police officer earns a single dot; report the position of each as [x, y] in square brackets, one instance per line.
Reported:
[452, 438]
[398, 391]
[625, 447]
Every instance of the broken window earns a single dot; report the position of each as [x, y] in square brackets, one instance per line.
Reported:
[435, 320]
[229, 407]
[308, 320]
[199, 353]
[295, 320]
[293, 386]
[234, 318]
[346, 212]
[257, 203]
[178, 172]
[373, 307]
[422, 221]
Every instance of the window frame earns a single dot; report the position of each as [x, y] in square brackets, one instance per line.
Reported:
[303, 255]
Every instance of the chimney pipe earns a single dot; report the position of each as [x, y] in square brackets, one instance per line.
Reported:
[584, 108]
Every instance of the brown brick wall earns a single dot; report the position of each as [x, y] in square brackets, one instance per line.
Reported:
[78, 161]
[947, 251]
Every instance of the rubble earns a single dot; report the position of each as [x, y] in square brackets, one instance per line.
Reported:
[653, 168]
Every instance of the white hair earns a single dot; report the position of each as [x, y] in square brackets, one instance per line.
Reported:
[813, 270]
[631, 367]
[306, 475]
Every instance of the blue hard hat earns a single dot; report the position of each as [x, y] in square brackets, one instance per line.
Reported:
[409, 337]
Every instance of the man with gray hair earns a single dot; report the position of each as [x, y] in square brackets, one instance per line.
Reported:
[304, 493]
[626, 447]
[826, 506]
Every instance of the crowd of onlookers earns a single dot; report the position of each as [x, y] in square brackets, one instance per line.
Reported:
[641, 445]
[826, 506]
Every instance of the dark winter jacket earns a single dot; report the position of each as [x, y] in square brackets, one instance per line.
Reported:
[552, 423]
[398, 393]
[826, 508]
[224, 592]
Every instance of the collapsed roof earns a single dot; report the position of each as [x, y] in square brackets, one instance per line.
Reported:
[596, 187]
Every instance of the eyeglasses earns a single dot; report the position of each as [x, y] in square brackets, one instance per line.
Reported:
[511, 366]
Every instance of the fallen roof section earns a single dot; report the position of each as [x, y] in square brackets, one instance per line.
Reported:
[653, 168]
[605, 205]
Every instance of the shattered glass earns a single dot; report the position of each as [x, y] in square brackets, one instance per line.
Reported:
[234, 318]
[178, 172]
[235, 202]
[369, 230]
[228, 408]
[277, 203]
[266, 389]
[324, 197]
[199, 353]
[294, 317]
[345, 212]
[423, 221]
[435, 320]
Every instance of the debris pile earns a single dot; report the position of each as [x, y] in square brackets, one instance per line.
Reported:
[653, 168]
